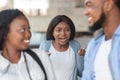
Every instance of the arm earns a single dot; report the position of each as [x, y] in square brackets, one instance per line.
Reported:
[86, 75]
[46, 63]
[45, 45]
[79, 59]
[42, 46]
[80, 65]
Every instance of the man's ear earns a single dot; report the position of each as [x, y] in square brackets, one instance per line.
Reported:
[108, 5]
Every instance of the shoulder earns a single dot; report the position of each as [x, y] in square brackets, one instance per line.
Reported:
[40, 53]
[46, 42]
[45, 45]
[74, 43]
[91, 43]
[95, 40]
[46, 62]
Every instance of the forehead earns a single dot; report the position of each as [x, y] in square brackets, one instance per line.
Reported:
[19, 21]
[62, 24]
[89, 1]
[92, 1]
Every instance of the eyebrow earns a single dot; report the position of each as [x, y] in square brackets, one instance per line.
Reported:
[87, 2]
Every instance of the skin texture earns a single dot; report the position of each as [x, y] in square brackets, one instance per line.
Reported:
[94, 9]
[61, 30]
[109, 26]
[61, 34]
[17, 39]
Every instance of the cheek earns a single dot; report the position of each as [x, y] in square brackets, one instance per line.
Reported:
[13, 41]
[55, 33]
[69, 34]
[97, 13]
[95, 16]
[15, 38]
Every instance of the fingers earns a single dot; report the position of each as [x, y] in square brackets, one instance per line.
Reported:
[82, 51]
[49, 53]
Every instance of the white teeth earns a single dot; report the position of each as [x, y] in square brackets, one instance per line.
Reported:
[90, 18]
[27, 41]
[62, 37]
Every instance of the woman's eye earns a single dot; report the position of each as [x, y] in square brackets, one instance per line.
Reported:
[68, 30]
[22, 30]
[58, 30]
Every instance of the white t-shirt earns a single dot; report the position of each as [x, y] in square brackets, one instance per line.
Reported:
[63, 63]
[19, 71]
[101, 64]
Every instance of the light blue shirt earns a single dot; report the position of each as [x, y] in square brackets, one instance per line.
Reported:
[114, 57]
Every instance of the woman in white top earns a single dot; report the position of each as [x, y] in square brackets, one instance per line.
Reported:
[64, 51]
[17, 61]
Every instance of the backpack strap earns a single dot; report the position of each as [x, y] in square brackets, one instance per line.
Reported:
[37, 59]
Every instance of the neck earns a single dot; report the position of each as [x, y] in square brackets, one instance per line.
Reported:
[111, 24]
[59, 47]
[12, 55]
[110, 29]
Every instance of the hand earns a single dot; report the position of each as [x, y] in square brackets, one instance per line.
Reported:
[49, 53]
[81, 52]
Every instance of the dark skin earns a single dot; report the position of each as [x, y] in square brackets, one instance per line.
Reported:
[17, 39]
[82, 51]
[62, 34]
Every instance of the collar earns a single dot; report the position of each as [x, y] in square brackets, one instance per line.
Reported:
[101, 32]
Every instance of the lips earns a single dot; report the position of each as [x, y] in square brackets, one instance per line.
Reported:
[90, 20]
[63, 39]
[26, 41]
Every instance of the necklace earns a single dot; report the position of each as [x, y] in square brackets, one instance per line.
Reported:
[26, 64]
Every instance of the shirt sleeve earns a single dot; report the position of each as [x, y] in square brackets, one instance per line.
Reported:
[46, 63]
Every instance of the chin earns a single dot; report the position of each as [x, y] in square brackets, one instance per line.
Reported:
[64, 43]
[25, 47]
[98, 24]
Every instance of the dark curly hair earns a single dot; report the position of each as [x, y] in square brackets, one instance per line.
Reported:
[6, 17]
[55, 21]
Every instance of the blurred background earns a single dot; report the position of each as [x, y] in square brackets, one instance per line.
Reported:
[40, 13]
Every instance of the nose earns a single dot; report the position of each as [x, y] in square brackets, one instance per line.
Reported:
[86, 12]
[28, 34]
[63, 33]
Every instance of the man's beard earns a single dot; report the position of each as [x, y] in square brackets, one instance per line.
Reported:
[98, 24]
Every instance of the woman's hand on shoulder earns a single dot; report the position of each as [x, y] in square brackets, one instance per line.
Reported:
[49, 53]
[81, 51]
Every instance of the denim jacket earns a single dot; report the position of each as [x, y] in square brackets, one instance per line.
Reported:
[79, 60]
[114, 57]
